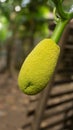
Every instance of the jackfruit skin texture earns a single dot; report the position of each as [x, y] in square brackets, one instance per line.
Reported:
[38, 67]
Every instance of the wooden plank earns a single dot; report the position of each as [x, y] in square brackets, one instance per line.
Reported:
[32, 108]
[55, 122]
[58, 110]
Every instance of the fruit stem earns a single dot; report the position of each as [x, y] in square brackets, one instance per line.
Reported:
[59, 30]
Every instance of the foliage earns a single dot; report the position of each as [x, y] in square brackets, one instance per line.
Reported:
[4, 33]
[31, 18]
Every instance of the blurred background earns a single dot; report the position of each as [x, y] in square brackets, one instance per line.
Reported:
[23, 24]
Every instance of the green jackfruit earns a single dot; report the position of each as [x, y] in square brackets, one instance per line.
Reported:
[38, 67]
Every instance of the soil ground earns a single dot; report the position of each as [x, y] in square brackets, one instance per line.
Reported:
[13, 104]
